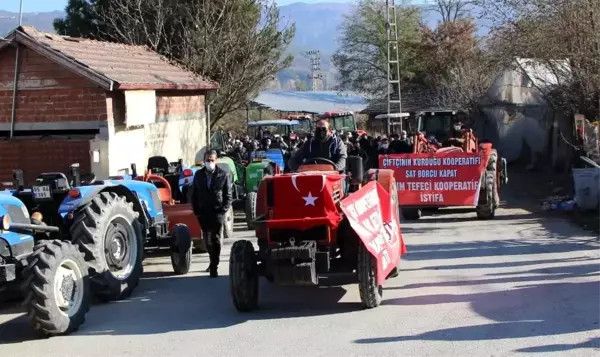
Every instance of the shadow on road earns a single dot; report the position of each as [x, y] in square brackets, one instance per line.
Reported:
[524, 245]
[518, 313]
[508, 264]
[164, 303]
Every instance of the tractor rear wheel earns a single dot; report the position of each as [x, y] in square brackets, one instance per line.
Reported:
[371, 294]
[109, 234]
[181, 249]
[228, 224]
[488, 195]
[243, 276]
[57, 288]
[251, 210]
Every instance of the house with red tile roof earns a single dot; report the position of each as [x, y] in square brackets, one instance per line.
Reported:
[104, 105]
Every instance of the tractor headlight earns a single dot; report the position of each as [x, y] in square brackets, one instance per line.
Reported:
[5, 223]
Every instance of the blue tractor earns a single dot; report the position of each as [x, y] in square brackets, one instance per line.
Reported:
[52, 273]
[111, 222]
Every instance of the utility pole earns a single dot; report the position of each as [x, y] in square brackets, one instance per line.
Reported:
[394, 105]
[16, 79]
[315, 76]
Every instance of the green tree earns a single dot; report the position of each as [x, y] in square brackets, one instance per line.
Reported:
[237, 43]
[361, 58]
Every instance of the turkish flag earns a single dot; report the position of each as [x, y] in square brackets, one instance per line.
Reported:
[305, 200]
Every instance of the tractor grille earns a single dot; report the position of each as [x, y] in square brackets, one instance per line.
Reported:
[16, 214]
[337, 196]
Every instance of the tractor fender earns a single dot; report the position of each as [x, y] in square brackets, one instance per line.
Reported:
[142, 201]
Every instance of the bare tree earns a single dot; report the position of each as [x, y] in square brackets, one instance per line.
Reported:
[468, 82]
[237, 43]
[562, 37]
[453, 10]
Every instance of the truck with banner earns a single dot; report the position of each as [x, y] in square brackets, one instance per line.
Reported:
[462, 172]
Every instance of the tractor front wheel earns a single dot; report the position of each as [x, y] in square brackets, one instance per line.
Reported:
[371, 294]
[251, 210]
[181, 249]
[228, 224]
[109, 234]
[243, 276]
[57, 288]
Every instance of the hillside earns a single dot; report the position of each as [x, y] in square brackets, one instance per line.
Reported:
[316, 29]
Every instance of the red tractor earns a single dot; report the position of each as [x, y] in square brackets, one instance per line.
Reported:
[448, 167]
[316, 224]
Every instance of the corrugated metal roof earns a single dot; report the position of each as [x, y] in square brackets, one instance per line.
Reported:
[274, 122]
[311, 102]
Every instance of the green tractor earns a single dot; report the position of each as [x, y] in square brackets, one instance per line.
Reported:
[264, 163]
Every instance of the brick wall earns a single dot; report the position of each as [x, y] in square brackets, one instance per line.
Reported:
[175, 105]
[37, 156]
[47, 91]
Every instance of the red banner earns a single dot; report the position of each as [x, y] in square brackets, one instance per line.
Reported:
[447, 178]
[373, 215]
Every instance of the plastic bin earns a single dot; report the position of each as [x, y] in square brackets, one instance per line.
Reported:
[587, 188]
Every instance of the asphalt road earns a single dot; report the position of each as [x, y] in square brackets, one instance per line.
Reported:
[517, 284]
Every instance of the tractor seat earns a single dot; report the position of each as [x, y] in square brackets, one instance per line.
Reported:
[158, 162]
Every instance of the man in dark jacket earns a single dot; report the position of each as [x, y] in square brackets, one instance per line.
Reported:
[211, 197]
[324, 145]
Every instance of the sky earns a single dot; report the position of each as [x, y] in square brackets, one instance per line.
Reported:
[51, 5]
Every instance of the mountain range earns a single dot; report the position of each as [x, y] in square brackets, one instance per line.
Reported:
[317, 28]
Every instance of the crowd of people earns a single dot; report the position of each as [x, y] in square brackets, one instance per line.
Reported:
[240, 148]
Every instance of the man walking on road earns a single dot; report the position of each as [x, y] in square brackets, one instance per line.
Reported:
[211, 197]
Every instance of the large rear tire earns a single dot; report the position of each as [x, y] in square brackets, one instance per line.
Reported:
[488, 194]
[57, 288]
[371, 294]
[181, 250]
[251, 210]
[228, 224]
[110, 236]
[243, 276]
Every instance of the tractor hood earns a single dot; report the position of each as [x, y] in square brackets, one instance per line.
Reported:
[303, 200]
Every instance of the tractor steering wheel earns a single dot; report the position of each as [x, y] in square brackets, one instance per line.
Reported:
[318, 160]
[87, 179]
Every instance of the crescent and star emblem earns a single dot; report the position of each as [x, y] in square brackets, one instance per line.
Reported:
[310, 199]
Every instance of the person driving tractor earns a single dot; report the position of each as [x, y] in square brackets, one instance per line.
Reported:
[456, 136]
[323, 145]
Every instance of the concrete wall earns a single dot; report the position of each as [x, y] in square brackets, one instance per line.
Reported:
[178, 131]
[516, 117]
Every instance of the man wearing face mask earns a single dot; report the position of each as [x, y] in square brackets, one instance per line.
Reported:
[323, 145]
[211, 197]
